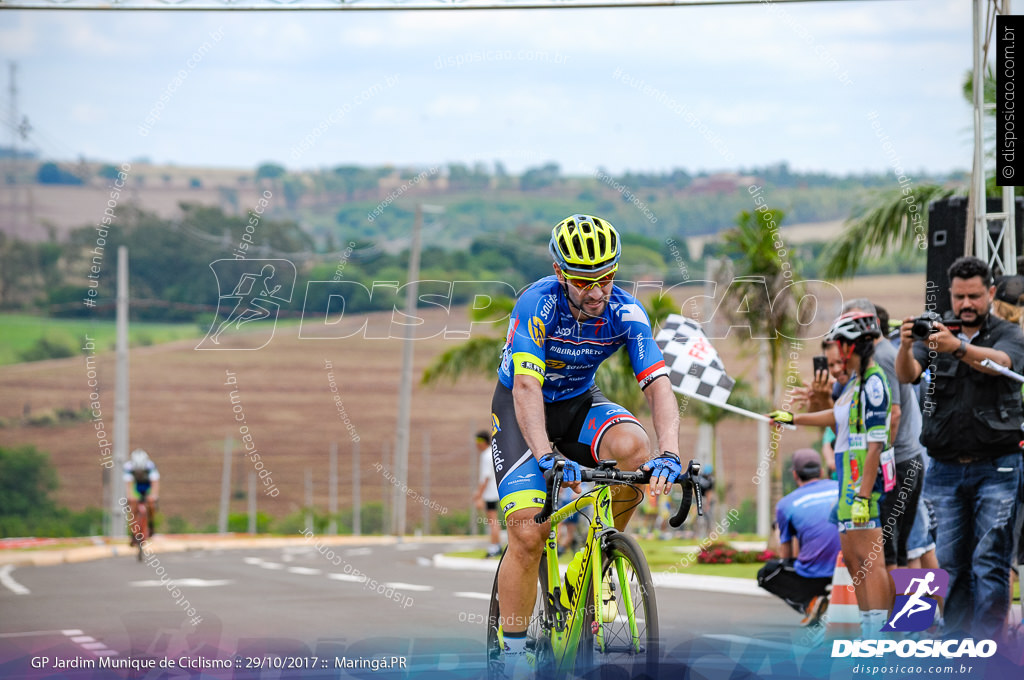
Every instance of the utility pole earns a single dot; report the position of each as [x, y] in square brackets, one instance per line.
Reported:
[405, 390]
[225, 488]
[357, 501]
[121, 387]
[332, 491]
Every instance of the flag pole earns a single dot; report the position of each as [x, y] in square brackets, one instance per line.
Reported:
[735, 409]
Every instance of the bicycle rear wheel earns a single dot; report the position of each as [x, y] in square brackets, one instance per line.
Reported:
[538, 642]
[627, 616]
[141, 528]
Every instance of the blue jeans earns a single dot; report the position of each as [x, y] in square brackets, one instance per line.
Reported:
[975, 504]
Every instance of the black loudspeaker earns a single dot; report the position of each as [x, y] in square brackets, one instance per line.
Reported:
[947, 224]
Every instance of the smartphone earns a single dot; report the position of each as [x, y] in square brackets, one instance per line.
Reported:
[820, 364]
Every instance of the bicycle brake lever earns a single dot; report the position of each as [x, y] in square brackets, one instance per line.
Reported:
[554, 482]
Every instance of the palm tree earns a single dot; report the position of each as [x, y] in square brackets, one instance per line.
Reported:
[890, 225]
[764, 292]
[476, 356]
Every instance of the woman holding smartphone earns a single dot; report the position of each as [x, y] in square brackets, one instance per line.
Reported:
[861, 417]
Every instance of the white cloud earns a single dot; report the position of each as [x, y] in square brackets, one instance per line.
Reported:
[453, 106]
[88, 113]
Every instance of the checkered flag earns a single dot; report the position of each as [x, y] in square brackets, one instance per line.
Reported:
[694, 366]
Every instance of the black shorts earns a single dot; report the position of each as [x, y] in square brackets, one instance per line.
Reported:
[575, 426]
[490, 505]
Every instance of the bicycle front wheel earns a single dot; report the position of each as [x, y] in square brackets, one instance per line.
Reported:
[620, 633]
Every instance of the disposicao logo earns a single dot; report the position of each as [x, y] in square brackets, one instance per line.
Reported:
[915, 609]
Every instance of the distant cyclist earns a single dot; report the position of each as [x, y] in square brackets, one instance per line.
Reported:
[561, 329]
[142, 484]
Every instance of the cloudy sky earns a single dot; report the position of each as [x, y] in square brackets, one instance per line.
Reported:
[639, 89]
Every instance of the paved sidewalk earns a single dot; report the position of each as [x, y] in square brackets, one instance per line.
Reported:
[38, 552]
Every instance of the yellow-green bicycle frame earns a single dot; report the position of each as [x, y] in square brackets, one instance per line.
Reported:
[568, 624]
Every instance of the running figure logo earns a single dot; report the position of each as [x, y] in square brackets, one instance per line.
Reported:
[915, 609]
[259, 288]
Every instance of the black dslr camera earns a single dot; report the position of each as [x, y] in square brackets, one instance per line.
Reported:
[924, 325]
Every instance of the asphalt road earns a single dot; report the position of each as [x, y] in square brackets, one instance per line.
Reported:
[355, 602]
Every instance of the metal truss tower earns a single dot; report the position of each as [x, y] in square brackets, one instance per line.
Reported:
[993, 235]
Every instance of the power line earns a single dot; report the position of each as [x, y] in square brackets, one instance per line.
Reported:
[373, 5]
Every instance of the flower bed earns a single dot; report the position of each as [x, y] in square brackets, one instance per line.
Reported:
[721, 552]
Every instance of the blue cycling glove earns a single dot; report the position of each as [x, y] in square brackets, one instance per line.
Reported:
[665, 467]
[570, 471]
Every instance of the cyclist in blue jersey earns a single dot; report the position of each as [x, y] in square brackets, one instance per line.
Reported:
[142, 485]
[546, 408]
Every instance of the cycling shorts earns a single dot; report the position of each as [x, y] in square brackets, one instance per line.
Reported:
[140, 491]
[575, 426]
[849, 488]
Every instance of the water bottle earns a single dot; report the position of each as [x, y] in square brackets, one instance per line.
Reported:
[571, 576]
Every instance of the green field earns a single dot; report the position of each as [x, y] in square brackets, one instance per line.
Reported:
[20, 332]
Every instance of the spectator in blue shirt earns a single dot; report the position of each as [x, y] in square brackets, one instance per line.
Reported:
[809, 542]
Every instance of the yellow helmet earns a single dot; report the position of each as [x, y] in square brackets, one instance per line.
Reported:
[583, 243]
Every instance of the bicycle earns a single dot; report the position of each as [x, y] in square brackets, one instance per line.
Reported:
[140, 526]
[621, 632]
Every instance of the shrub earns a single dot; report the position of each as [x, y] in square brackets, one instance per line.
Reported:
[47, 348]
[721, 552]
[238, 522]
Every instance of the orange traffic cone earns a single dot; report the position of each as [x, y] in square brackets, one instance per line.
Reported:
[842, 620]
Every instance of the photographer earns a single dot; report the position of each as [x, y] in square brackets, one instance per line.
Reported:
[971, 427]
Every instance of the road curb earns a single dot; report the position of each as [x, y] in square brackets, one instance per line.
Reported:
[171, 544]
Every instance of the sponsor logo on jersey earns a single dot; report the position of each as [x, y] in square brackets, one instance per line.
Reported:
[875, 390]
[495, 425]
[530, 366]
[554, 363]
[633, 312]
[499, 461]
[536, 329]
[513, 324]
[549, 304]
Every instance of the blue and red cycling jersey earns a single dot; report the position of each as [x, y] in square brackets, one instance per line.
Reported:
[545, 341]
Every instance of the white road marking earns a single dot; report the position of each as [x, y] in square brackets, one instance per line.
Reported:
[408, 586]
[253, 560]
[359, 551]
[89, 643]
[189, 582]
[464, 563]
[305, 571]
[10, 583]
[351, 578]
[271, 565]
[474, 596]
